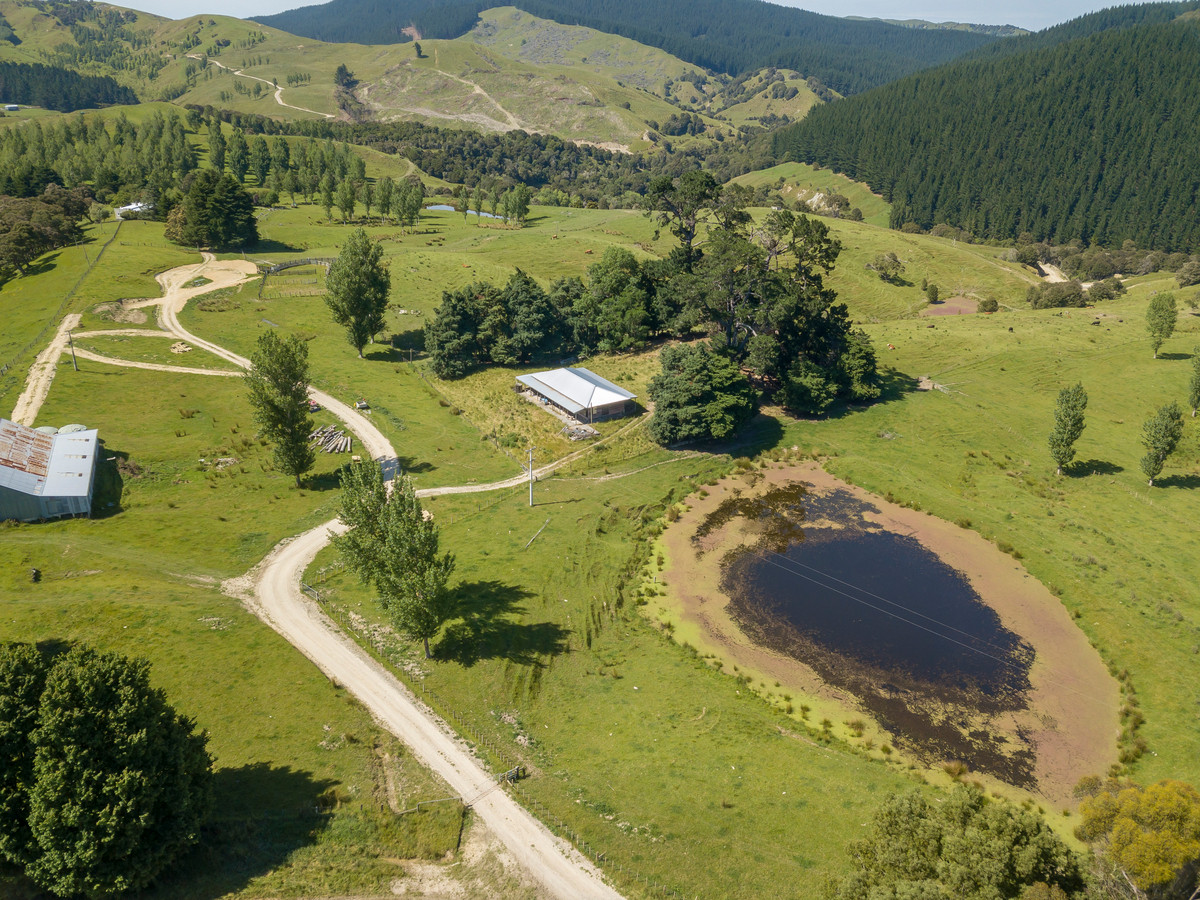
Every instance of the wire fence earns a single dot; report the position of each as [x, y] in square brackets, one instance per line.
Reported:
[268, 271]
[53, 321]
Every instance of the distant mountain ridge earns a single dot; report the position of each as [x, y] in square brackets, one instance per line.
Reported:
[1095, 138]
[729, 36]
[993, 30]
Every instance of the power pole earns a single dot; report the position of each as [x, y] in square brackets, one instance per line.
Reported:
[71, 341]
[530, 451]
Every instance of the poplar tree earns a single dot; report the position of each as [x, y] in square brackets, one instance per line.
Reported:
[1068, 424]
[238, 155]
[1194, 384]
[357, 289]
[1160, 437]
[385, 190]
[392, 545]
[1160, 319]
[277, 382]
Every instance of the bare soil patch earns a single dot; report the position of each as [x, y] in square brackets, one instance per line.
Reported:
[952, 306]
[116, 312]
[1065, 726]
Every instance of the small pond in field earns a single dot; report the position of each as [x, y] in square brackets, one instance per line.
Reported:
[446, 207]
[877, 614]
[788, 576]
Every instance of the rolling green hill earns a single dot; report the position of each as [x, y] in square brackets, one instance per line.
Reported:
[731, 36]
[1094, 139]
[514, 71]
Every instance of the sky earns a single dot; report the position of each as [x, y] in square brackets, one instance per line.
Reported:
[1031, 14]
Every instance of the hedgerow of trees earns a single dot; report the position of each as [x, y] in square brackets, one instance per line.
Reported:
[103, 784]
[757, 291]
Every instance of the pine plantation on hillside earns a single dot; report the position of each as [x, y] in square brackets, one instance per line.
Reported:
[1095, 140]
[729, 36]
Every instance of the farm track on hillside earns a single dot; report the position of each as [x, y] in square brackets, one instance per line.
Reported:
[271, 590]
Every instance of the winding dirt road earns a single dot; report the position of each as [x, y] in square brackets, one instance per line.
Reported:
[278, 90]
[41, 374]
[272, 591]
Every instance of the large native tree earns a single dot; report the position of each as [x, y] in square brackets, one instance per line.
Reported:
[700, 395]
[962, 847]
[107, 782]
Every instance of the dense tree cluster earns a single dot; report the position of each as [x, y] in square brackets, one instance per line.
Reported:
[102, 783]
[963, 847]
[721, 35]
[118, 159]
[1094, 139]
[32, 226]
[215, 211]
[584, 175]
[53, 87]
[758, 290]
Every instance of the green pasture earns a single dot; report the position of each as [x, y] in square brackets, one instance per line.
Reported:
[30, 304]
[673, 771]
[154, 348]
[682, 780]
[142, 577]
[970, 270]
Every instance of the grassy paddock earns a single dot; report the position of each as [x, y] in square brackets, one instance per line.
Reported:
[303, 774]
[648, 753]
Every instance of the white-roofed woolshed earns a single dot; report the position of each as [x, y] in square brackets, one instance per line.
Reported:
[45, 476]
[581, 393]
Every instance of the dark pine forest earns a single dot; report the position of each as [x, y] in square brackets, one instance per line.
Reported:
[730, 36]
[1096, 139]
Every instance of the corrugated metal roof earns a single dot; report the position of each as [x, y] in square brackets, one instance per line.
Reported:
[576, 389]
[24, 457]
[36, 463]
[71, 464]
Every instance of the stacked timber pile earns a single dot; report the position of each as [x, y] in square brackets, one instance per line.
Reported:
[331, 440]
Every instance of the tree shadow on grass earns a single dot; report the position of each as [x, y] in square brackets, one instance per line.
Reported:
[490, 628]
[384, 353]
[1176, 356]
[261, 815]
[270, 245]
[411, 340]
[1178, 481]
[1082, 468]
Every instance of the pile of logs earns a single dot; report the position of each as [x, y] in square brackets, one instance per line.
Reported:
[331, 440]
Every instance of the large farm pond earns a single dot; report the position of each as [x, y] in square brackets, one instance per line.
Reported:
[950, 648]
